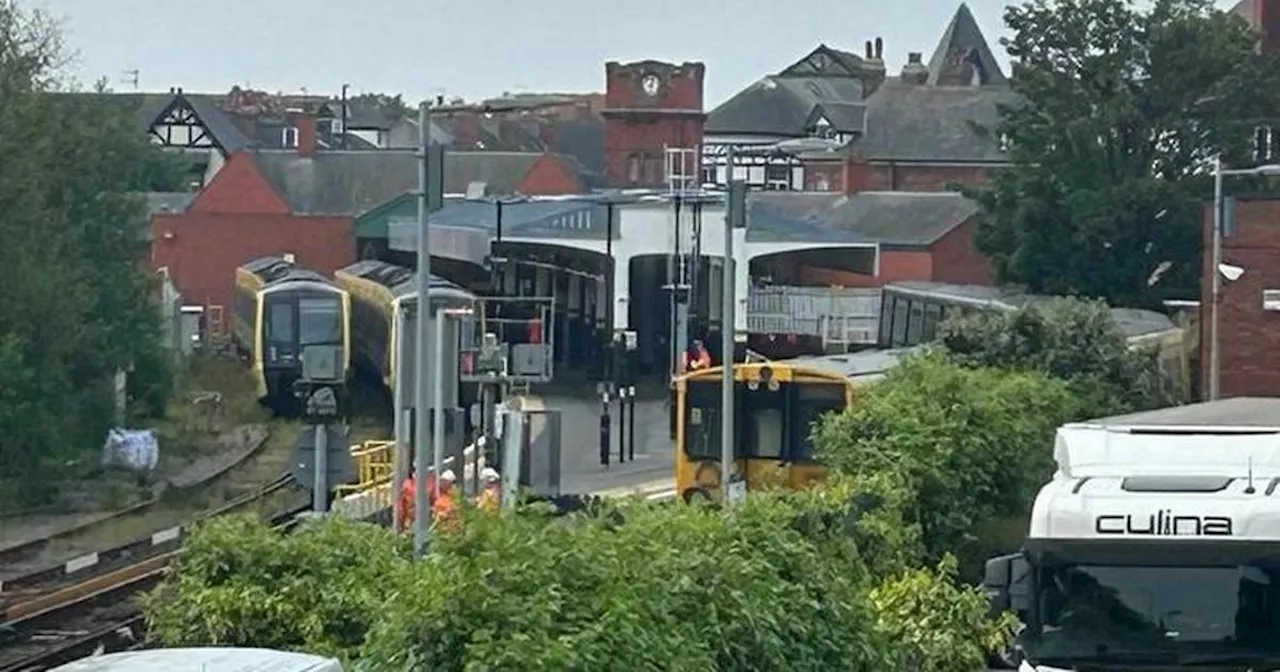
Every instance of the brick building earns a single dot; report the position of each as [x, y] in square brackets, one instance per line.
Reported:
[653, 122]
[305, 201]
[1248, 328]
[929, 124]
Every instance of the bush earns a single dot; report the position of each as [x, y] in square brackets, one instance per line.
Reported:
[240, 583]
[934, 625]
[965, 445]
[780, 582]
[1070, 339]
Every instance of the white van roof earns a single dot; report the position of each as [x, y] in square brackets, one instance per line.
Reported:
[204, 660]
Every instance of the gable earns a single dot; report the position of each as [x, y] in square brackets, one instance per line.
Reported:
[178, 125]
[239, 189]
[824, 61]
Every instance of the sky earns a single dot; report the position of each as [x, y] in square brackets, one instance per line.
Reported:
[477, 48]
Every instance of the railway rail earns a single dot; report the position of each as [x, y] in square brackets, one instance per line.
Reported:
[97, 611]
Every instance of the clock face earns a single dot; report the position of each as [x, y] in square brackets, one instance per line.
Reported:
[650, 84]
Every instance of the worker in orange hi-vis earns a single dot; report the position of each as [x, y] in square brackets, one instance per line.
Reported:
[490, 497]
[407, 501]
[444, 511]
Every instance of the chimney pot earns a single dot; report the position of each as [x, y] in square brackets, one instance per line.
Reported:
[179, 90]
[869, 52]
[879, 48]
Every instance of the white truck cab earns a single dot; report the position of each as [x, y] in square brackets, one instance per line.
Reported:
[1155, 547]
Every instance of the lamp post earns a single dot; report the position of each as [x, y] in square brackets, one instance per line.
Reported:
[1215, 367]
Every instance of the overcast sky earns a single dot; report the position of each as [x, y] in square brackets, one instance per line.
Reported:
[477, 48]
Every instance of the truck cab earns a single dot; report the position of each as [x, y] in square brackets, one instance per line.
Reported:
[1155, 547]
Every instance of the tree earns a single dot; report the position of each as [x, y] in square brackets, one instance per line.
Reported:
[1069, 339]
[777, 583]
[971, 446]
[1120, 113]
[77, 305]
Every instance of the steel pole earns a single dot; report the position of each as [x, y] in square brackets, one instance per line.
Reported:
[400, 458]
[437, 410]
[728, 296]
[320, 491]
[1214, 362]
[422, 398]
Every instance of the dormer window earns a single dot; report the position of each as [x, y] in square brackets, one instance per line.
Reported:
[1004, 142]
[289, 137]
[822, 129]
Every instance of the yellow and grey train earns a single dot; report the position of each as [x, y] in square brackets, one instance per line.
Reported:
[281, 310]
[378, 291]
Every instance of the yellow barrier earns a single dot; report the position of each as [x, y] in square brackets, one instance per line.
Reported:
[374, 463]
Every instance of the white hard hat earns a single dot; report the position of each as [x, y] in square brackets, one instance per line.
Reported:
[448, 476]
[489, 474]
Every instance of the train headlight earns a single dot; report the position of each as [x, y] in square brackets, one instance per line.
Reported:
[753, 385]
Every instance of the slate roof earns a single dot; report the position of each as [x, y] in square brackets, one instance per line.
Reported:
[912, 122]
[351, 182]
[580, 219]
[780, 105]
[963, 36]
[890, 218]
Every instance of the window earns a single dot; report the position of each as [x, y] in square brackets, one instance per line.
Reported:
[821, 183]
[289, 137]
[811, 403]
[709, 175]
[886, 320]
[915, 323]
[777, 177]
[932, 318]
[279, 325]
[652, 170]
[633, 168]
[702, 420]
[767, 425]
[900, 308]
[1161, 612]
[321, 321]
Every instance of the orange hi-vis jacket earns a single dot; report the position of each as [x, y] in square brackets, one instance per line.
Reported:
[444, 511]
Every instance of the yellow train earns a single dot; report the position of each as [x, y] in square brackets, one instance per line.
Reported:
[282, 310]
[776, 405]
[777, 402]
[378, 291]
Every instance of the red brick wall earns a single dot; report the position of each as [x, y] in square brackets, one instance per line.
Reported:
[550, 176]
[898, 177]
[1248, 336]
[637, 124]
[895, 265]
[239, 189]
[202, 250]
[956, 257]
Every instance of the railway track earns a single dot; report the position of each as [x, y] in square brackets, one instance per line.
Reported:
[87, 537]
[66, 616]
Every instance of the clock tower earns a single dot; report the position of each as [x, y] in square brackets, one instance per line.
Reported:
[653, 122]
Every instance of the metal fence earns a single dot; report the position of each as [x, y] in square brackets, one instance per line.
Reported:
[840, 316]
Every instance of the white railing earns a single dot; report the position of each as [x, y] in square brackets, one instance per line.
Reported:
[841, 316]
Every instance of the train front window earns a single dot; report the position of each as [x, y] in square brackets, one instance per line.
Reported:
[702, 419]
[321, 321]
[279, 325]
[812, 402]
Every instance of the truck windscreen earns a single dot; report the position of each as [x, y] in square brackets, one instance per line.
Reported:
[1165, 614]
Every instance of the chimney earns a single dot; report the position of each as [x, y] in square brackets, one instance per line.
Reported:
[873, 67]
[1266, 18]
[915, 71]
[305, 121]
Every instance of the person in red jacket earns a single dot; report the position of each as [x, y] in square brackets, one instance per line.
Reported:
[697, 358]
